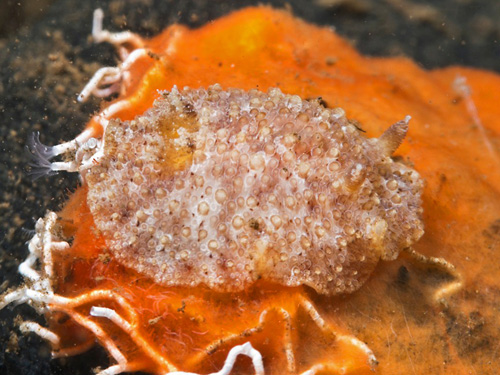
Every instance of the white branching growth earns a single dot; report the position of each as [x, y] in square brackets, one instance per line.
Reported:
[315, 316]
[449, 288]
[38, 290]
[39, 293]
[44, 333]
[117, 39]
[111, 80]
[462, 88]
[85, 150]
[245, 349]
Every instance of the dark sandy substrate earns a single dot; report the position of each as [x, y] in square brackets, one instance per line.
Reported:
[43, 66]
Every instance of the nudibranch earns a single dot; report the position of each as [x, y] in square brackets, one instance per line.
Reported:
[223, 188]
[212, 217]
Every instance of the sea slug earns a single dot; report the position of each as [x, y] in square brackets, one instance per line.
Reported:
[224, 188]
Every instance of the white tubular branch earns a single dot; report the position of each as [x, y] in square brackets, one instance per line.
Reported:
[245, 349]
[44, 333]
[117, 39]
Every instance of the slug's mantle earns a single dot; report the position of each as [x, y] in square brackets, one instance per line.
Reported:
[147, 326]
[224, 188]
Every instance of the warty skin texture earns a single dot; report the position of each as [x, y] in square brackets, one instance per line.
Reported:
[223, 188]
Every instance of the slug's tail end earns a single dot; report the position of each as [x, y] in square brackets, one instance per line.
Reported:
[40, 156]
